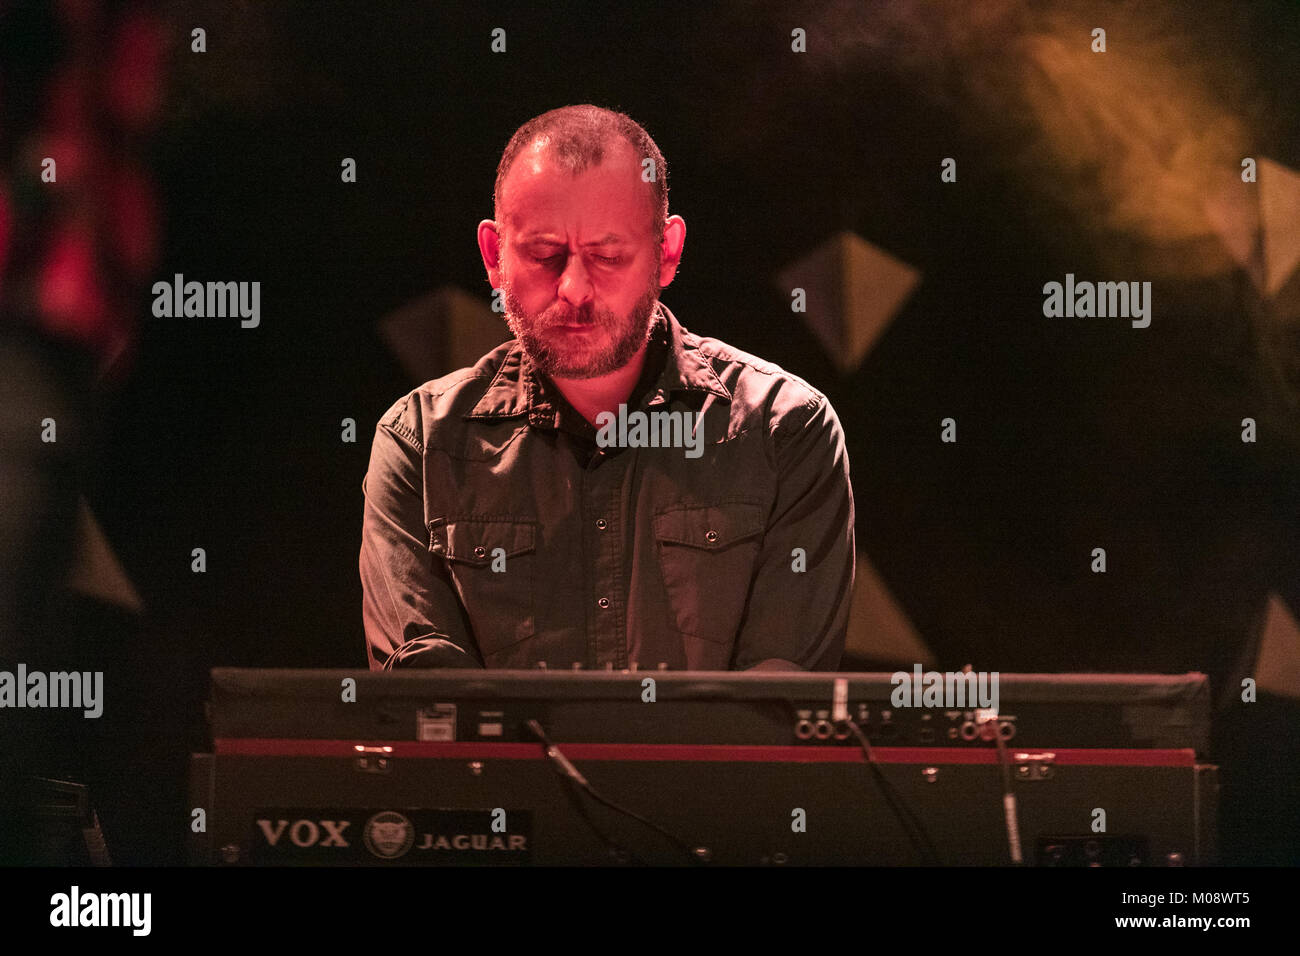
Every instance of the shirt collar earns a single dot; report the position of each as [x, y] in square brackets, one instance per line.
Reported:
[518, 388]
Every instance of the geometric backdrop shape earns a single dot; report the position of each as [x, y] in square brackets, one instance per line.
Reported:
[441, 332]
[853, 290]
[880, 631]
[1278, 667]
[1279, 214]
[95, 570]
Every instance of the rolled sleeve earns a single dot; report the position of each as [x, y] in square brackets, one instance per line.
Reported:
[410, 611]
[798, 619]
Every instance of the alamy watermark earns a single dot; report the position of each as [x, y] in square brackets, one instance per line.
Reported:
[75, 689]
[76, 909]
[640, 429]
[208, 300]
[949, 690]
[1084, 300]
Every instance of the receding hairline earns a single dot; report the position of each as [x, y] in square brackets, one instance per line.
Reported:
[540, 148]
[576, 138]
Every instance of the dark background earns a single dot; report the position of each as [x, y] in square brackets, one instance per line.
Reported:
[1073, 433]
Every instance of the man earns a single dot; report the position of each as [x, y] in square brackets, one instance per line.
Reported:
[606, 490]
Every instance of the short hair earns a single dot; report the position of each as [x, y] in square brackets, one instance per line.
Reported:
[576, 137]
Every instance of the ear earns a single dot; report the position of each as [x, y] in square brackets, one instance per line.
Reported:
[671, 248]
[489, 247]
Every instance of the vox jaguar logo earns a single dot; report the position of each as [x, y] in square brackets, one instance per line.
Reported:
[389, 835]
[305, 833]
[415, 836]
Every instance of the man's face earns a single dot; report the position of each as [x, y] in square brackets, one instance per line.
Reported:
[579, 263]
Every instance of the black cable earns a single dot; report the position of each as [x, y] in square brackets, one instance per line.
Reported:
[916, 834]
[569, 772]
[617, 850]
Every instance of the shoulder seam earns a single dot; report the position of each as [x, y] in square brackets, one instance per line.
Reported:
[394, 421]
[401, 429]
[772, 367]
[450, 385]
[809, 406]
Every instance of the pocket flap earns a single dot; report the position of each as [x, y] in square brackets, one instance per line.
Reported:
[711, 527]
[475, 540]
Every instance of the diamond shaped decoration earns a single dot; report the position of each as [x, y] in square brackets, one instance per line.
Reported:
[1277, 669]
[1279, 213]
[95, 571]
[853, 291]
[1263, 217]
[440, 332]
[879, 629]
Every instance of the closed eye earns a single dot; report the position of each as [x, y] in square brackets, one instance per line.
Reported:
[607, 260]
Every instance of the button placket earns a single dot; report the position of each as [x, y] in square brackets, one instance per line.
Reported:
[608, 635]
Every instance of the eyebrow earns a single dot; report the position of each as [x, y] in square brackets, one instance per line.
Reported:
[542, 238]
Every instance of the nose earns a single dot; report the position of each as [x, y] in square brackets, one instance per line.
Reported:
[575, 283]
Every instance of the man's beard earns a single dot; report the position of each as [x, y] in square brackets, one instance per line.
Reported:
[606, 348]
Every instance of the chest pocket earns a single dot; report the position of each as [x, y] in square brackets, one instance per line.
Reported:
[493, 564]
[707, 555]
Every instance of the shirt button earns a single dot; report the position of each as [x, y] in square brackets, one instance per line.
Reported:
[601, 524]
[710, 536]
[481, 551]
[603, 602]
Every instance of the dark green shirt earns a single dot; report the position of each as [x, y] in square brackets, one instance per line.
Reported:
[501, 529]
